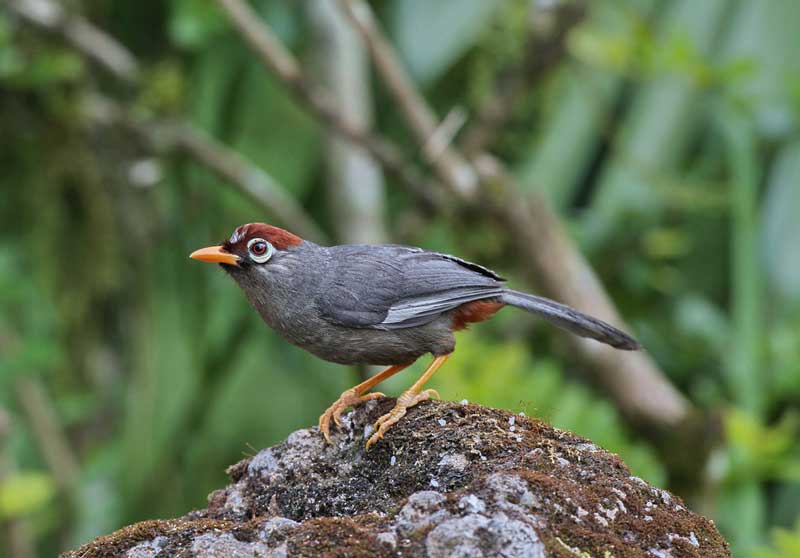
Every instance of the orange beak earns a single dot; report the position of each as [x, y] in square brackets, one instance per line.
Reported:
[215, 254]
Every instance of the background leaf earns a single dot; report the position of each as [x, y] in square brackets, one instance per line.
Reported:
[23, 493]
[781, 224]
[432, 35]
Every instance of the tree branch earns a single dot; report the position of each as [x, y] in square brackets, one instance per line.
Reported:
[355, 186]
[450, 166]
[249, 179]
[633, 380]
[87, 39]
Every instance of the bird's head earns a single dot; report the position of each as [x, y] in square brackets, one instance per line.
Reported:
[265, 262]
[250, 247]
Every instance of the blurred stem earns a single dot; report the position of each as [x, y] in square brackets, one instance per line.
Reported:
[45, 425]
[15, 530]
[87, 39]
[249, 179]
[744, 370]
[356, 193]
[449, 165]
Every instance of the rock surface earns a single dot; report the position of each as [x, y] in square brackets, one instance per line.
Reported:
[449, 480]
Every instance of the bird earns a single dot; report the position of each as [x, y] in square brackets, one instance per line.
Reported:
[387, 305]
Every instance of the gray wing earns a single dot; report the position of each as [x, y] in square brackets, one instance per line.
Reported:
[395, 287]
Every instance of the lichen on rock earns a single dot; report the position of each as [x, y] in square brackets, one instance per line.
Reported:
[450, 480]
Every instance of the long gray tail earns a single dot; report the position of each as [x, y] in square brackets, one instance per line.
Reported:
[571, 320]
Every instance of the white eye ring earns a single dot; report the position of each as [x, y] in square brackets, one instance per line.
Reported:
[260, 258]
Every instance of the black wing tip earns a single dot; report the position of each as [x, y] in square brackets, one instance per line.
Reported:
[472, 266]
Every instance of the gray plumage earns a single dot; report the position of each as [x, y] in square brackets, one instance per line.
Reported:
[571, 320]
[397, 287]
[384, 305]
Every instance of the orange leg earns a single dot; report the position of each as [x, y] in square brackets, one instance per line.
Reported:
[355, 396]
[407, 399]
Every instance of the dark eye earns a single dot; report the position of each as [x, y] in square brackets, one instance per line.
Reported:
[260, 250]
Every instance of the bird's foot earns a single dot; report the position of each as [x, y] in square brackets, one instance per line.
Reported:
[407, 400]
[349, 398]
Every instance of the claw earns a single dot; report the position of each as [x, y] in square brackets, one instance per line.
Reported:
[341, 406]
[428, 394]
[348, 398]
[407, 400]
[325, 426]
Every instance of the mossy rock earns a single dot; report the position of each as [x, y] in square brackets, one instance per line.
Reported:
[449, 480]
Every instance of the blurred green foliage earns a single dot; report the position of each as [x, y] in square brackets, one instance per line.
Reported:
[668, 139]
[784, 543]
[23, 493]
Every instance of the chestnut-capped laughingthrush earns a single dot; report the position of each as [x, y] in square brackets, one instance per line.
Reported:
[380, 305]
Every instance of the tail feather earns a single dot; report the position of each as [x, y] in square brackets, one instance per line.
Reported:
[571, 320]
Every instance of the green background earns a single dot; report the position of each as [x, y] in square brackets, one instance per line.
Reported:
[667, 138]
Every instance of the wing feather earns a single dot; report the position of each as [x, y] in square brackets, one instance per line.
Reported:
[396, 287]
